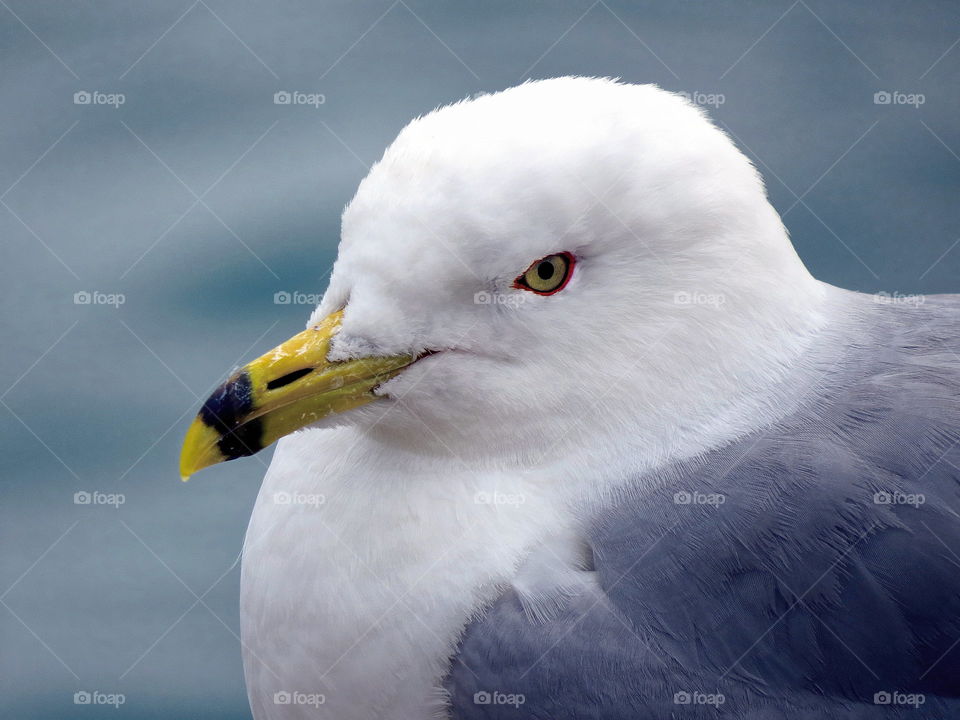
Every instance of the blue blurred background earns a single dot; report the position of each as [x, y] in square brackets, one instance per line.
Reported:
[145, 242]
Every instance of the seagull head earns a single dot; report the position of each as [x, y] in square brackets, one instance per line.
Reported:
[566, 263]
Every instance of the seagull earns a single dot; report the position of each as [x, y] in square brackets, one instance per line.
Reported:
[573, 433]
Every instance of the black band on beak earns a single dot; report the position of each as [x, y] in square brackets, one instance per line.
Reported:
[225, 410]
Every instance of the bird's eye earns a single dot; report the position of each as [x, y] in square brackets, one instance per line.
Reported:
[547, 275]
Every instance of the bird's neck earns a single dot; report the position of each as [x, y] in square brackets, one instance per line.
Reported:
[729, 379]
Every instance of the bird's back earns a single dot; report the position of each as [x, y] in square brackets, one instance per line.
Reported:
[811, 569]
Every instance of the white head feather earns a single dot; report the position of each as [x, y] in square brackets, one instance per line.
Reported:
[686, 295]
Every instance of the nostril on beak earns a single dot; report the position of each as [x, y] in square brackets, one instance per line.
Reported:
[288, 378]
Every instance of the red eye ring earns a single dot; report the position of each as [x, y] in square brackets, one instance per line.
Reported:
[550, 285]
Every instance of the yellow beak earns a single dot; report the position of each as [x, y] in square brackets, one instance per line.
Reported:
[289, 387]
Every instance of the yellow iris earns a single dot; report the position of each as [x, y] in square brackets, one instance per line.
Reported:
[548, 274]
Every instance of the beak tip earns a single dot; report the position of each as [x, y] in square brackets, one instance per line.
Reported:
[199, 449]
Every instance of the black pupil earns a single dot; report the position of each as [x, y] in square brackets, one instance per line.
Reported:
[545, 270]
